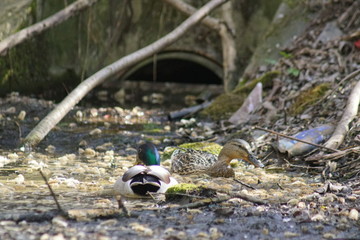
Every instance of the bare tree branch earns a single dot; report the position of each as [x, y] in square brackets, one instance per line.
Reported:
[349, 114]
[227, 41]
[43, 25]
[46, 124]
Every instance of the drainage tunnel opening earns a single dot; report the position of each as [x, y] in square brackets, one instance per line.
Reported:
[176, 70]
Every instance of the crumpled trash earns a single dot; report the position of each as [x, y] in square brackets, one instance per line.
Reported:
[315, 135]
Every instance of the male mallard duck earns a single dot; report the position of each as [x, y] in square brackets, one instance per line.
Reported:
[141, 180]
[190, 161]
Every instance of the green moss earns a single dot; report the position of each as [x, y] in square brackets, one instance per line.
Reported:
[176, 193]
[266, 79]
[223, 106]
[210, 147]
[307, 98]
[184, 188]
[25, 65]
[153, 128]
[226, 104]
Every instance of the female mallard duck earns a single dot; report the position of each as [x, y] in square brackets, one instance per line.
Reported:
[141, 180]
[191, 161]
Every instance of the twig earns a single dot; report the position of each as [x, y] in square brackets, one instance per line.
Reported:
[244, 184]
[19, 127]
[296, 139]
[203, 203]
[52, 193]
[243, 196]
[333, 156]
[278, 184]
[299, 166]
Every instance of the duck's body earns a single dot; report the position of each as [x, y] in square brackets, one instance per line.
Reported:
[190, 161]
[185, 161]
[139, 180]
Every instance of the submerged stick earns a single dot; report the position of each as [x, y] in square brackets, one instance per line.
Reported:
[52, 192]
[188, 111]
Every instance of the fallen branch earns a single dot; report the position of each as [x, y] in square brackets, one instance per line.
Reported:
[332, 156]
[349, 114]
[244, 184]
[227, 41]
[46, 124]
[43, 25]
[202, 203]
[187, 111]
[208, 201]
[296, 139]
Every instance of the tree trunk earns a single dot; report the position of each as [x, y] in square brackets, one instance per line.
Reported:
[45, 24]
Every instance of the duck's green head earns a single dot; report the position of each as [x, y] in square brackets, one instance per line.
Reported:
[148, 154]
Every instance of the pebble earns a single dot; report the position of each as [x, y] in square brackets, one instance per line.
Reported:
[301, 205]
[329, 236]
[354, 214]
[79, 114]
[89, 152]
[318, 217]
[13, 156]
[20, 179]
[290, 234]
[351, 198]
[22, 115]
[50, 149]
[59, 221]
[96, 131]
[72, 125]
[141, 229]
[215, 233]
[7, 223]
[293, 202]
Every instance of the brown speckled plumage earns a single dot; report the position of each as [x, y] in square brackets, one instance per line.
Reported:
[185, 161]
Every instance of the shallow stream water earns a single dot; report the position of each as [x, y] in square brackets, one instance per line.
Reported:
[85, 154]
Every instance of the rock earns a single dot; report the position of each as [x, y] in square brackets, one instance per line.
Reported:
[354, 214]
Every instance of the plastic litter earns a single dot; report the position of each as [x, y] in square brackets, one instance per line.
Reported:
[315, 135]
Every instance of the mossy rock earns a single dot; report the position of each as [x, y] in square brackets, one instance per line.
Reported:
[178, 193]
[223, 106]
[228, 103]
[308, 98]
[266, 79]
[210, 147]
